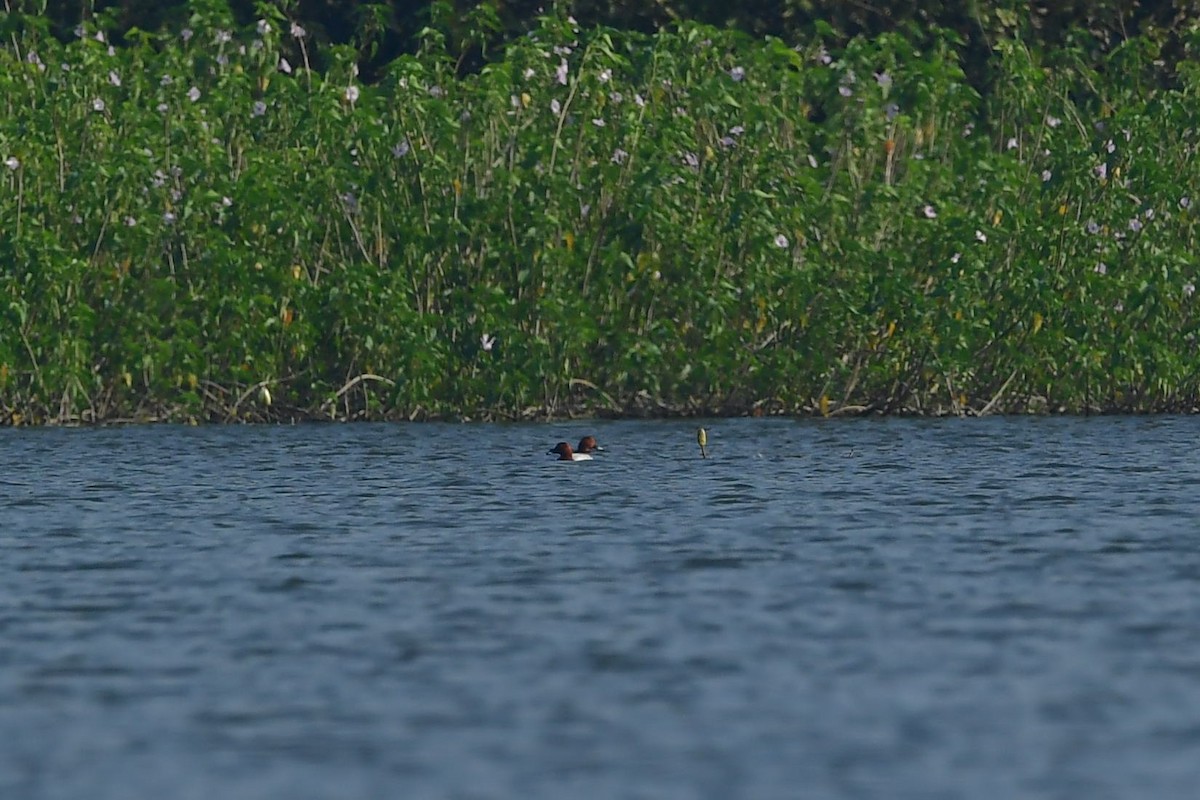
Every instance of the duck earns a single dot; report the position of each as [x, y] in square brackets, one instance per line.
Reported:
[588, 444]
[565, 453]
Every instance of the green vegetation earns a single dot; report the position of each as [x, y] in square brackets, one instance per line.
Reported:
[595, 222]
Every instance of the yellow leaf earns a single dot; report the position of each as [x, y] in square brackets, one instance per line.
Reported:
[999, 215]
[192, 381]
[824, 406]
[127, 378]
[569, 238]
[891, 329]
[526, 99]
[1062, 210]
[1037, 322]
[457, 187]
[296, 271]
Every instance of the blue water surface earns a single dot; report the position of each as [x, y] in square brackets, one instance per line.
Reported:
[883, 608]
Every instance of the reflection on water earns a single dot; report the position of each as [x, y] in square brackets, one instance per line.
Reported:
[862, 608]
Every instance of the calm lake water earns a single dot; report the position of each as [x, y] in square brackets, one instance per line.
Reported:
[999, 608]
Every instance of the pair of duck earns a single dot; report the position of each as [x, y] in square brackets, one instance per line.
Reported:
[587, 446]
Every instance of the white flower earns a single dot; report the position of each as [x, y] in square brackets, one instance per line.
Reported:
[738, 74]
[168, 218]
[528, 73]
[1101, 268]
[401, 150]
[781, 241]
[930, 212]
[285, 67]
[130, 222]
[1185, 202]
[114, 78]
[193, 94]
[98, 104]
[260, 108]
[12, 163]
[1189, 289]
[352, 93]
[599, 123]
[298, 32]
[560, 72]
[1046, 175]
[954, 258]
[487, 342]
[981, 236]
[605, 75]
[1012, 143]
[1053, 122]
[812, 161]
[263, 27]
[555, 107]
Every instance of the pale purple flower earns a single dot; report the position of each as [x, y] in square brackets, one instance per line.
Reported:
[1101, 268]
[639, 101]
[222, 60]
[1093, 227]
[298, 32]
[1185, 202]
[487, 342]
[165, 80]
[352, 94]
[823, 56]
[560, 72]
[186, 34]
[97, 104]
[884, 80]
[436, 91]
[1135, 224]
[599, 123]
[605, 75]
[1046, 175]
[1109, 146]
[968, 129]
[891, 111]
[1101, 171]
[1118, 306]
[225, 201]
[12, 163]
[781, 241]
[555, 107]
[561, 50]
[812, 161]
[79, 31]
[1148, 213]
[727, 141]
[1053, 122]
[401, 150]
[169, 218]
[736, 130]
[193, 94]
[1189, 289]
[738, 74]
[159, 179]
[130, 222]
[1011, 144]
[99, 37]
[161, 108]
[691, 160]
[616, 97]
[114, 78]
[263, 27]
[260, 108]
[845, 91]
[930, 212]
[619, 156]
[284, 66]
[350, 201]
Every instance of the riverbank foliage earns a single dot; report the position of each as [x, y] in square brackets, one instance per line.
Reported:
[598, 221]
